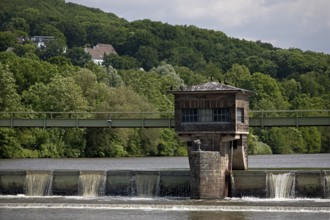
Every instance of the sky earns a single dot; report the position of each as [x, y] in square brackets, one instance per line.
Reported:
[303, 24]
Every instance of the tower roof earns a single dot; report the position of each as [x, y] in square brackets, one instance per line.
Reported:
[210, 87]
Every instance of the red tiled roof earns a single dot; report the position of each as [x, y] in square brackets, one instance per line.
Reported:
[98, 51]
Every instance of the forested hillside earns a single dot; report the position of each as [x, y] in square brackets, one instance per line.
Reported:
[151, 57]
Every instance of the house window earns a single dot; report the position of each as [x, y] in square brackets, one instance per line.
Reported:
[206, 115]
[240, 115]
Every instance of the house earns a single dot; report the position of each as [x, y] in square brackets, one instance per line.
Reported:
[99, 51]
[41, 40]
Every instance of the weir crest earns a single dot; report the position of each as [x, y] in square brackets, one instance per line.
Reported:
[163, 183]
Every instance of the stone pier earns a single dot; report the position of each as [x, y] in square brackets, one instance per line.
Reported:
[207, 176]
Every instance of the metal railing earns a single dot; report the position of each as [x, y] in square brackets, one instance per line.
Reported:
[288, 113]
[131, 115]
[85, 115]
[257, 118]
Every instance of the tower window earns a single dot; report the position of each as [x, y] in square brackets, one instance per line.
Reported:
[189, 115]
[240, 115]
[221, 114]
[205, 115]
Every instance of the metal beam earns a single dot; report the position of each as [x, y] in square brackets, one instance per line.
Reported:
[87, 123]
[289, 122]
[154, 123]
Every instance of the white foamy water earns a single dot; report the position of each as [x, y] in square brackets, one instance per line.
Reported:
[281, 185]
[92, 184]
[38, 183]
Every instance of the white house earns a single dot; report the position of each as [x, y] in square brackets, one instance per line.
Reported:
[41, 40]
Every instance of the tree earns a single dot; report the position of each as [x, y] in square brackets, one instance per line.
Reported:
[115, 79]
[9, 145]
[185, 56]
[27, 72]
[237, 75]
[312, 139]
[189, 77]
[78, 56]
[117, 142]
[17, 23]
[7, 39]
[52, 49]
[148, 57]
[75, 34]
[9, 99]
[256, 146]
[26, 50]
[62, 94]
[290, 88]
[120, 62]
[267, 90]
[284, 140]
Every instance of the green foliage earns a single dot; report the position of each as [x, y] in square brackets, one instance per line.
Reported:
[238, 75]
[268, 93]
[9, 145]
[7, 39]
[257, 147]
[9, 99]
[78, 56]
[120, 62]
[284, 140]
[325, 140]
[170, 145]
[152, 58]
[60, 95]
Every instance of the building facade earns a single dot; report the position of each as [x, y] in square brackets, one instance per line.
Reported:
[213, 119]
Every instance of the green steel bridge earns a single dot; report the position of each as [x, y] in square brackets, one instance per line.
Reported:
[261, 119]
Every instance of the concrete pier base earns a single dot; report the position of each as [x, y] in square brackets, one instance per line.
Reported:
[207, 176]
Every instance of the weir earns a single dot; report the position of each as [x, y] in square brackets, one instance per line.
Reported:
[147, 184]
[162, 183]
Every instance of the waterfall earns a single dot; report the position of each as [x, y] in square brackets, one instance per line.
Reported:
[232, 192]
[326, 185]
[281, 185]
[38, 183]
[92, 183]
[147, 185]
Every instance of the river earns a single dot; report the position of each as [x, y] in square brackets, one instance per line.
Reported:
[75, 207]
[290, 161]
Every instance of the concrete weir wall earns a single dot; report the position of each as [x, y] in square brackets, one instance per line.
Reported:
[164, 183]
[169, 183]
[306, 184]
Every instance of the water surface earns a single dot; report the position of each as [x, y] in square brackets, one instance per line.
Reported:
[158, 163]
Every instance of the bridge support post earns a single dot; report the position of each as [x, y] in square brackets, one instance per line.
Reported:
[210, 164]
[207, 175]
